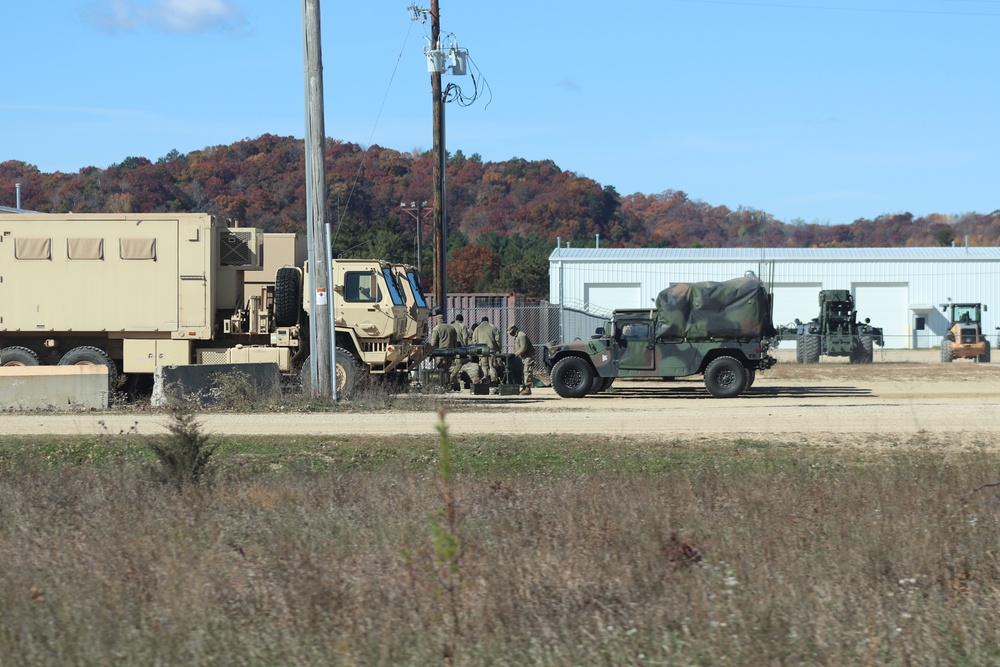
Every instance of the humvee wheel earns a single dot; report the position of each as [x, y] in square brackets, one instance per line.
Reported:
[15, 355]
[725, 377]
[751, 376]
[572, 377]
[946, 350]
[85, 355]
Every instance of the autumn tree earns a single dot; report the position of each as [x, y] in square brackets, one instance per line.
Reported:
[473, 268]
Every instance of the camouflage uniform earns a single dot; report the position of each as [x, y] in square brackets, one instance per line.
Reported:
[486, 334]
[443, 337]
[525, 349]
[471, 369]
[464, 335]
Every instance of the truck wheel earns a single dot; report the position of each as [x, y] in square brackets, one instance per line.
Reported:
[812, 349]
[15, 355]
[868, 349]
[348, 373]
[985, 356]
[800, 349]
[286, 296]
[751, 376]
[572, 377]
[85, 355]
[725, 377]
[946, 350]
[862, 352]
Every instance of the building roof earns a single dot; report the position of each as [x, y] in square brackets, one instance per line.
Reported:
[958, 253]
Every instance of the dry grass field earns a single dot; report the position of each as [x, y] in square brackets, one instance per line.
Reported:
[834, 539]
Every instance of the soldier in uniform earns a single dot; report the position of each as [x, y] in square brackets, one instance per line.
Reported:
[443, 337]
[464, 336]
[525, 349]
[486, 334]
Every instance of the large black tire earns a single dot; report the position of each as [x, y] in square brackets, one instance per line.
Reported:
[868, 346]
[85, 355]
[946, 355]
[572, 377]
[800, 349]
[15, 355]
[725, 377]
[985, 356]
[751, 376]
[348, 374]
[286, 297]
[812, 349]
[863, 352]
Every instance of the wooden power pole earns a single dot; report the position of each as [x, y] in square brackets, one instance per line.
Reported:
[438, 172]
[320, 329]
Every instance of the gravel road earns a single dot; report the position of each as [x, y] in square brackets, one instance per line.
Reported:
[889, 403]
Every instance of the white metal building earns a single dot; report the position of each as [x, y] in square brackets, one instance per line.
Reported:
[898, 289]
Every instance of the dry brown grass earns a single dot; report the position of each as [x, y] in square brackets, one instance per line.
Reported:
[746, 555]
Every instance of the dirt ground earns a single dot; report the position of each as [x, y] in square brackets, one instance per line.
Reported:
[902, 397]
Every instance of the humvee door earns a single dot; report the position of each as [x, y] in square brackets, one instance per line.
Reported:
[634, 338]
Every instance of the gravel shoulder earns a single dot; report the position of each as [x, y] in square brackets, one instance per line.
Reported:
[902, 397]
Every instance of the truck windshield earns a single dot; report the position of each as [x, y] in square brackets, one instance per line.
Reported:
[390, 281]
[418, 295]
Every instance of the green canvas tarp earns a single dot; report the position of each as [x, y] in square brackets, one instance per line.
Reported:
[738, 308]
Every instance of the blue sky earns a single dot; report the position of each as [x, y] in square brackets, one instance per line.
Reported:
[814, 110]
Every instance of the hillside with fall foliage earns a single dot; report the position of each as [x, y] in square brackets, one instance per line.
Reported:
[504, 218]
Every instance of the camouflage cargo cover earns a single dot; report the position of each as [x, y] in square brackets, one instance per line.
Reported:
[735, 309]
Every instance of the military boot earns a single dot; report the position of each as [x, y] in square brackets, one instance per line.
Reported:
[525, 392]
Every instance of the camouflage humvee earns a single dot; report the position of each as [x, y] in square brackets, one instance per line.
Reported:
[719, 329]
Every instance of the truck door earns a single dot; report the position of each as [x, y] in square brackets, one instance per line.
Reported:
[362, 306]
[635, 340]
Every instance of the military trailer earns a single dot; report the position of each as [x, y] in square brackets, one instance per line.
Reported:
[137, 291]
[720, 330]
[836, 332]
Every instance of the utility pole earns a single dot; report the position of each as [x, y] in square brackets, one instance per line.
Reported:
[416, 210]
[321, 301]
[438, 172]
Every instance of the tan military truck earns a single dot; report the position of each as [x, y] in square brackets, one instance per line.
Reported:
[137, 291]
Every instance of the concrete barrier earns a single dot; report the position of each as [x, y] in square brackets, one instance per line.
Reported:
[200, 382]
[54, 387]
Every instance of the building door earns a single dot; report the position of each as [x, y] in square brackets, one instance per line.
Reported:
[611, 296]
[885, 304]
[795, 300]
